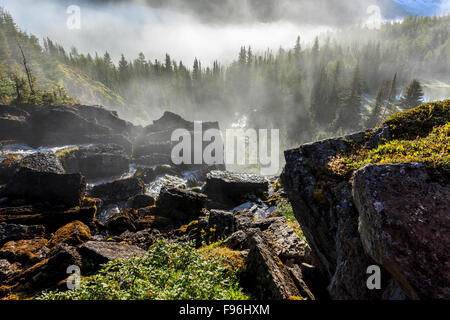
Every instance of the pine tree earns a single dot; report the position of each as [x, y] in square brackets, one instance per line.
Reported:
[349, 114]
[413, 95]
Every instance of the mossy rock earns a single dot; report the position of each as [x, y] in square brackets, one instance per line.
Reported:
[74, 233]
[420, 121]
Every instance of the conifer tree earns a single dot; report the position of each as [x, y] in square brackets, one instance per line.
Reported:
[413, 95]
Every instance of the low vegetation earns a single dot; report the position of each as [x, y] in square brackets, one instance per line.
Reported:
[420, 135]
[167, 272]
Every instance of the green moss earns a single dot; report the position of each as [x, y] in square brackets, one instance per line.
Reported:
[63, 153]
[420, 121]
[420, 135]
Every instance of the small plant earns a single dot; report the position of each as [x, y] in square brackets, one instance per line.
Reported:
[167, 272]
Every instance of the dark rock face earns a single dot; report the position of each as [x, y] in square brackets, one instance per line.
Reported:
[154, 145]
[228, 190]
[180, 205]
[96, 253]
[323, 205]
[64, 125]
[222, 222]
[98, 161]
[404, 224]
[11, 232]
[36, 186]
[140, 201]
[119, 190]
[13, 124]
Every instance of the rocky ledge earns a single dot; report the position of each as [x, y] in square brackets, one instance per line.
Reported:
[358, 209]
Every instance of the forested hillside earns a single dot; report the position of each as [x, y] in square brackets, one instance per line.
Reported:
[310, 92]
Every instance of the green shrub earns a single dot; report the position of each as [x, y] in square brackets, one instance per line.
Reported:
[167, 272]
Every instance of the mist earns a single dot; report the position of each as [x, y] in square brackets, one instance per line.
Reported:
[131, 28]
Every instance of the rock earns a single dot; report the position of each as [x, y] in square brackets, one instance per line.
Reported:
[152, 148]
[12, 232]
[404, 225]
[143, 239]
[71, 125]
[25, 252]
[14, 123]
[53, 188]
[287, 244]
[51, 218]
[98, 161]
[108, 212]
[297, 276]
[265, 276]
[96, 253]
[237, 241]
[323, 205]
[222, 222]
[162, 170]
[147, 175]
[8, 270]
[140, 201]
[154, 159]
[74, 234]
[119, 190]
[122, 222]
[43, 161]
[228, 190]
[180, 205]
[47, 273]
[39, 161]
[154, 222]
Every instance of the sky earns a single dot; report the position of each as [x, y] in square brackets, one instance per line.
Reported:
[204, 29]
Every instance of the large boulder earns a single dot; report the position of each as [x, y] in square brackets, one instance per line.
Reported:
[119, 190]
[322, 203]
[97, 161]
[227, 189]
[68, 125]
[43, 161]
[404, 224]
[74, 234]
[39, 161]
[180, 205]
[53, 188]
